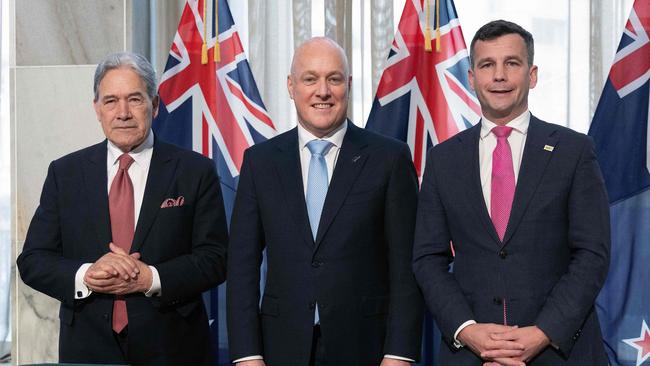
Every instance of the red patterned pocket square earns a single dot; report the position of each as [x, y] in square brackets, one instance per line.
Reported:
[173, 202]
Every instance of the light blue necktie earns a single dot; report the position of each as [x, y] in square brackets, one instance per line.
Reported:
[316, 182]
[316, 188]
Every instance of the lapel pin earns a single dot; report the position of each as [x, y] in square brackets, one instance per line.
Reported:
[549, 147]
[354, 159]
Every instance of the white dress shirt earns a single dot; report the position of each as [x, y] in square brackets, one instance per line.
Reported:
[332, 155]
[486, 145]
[138, 172]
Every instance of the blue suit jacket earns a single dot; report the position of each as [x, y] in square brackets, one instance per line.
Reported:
[357, 270]
[549, 267]
[186, 244]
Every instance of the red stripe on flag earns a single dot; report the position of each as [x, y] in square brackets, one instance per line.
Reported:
[463, 95]
[205, 137]
[631, 67]
[256, 112]
[419, 144]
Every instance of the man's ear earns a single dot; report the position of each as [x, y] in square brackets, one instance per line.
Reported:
[290, 86]
[470, 76]
[155, 103]
[532, 74]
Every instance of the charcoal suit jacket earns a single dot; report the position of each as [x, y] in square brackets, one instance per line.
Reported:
[357, 270]
[552, 261]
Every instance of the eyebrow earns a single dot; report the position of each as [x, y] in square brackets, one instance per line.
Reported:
[489, 58]
[134, 94]
[315, 73]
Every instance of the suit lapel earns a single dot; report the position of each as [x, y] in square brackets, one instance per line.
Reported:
[348, 166]
[290, 175]
[533, 165]
[161, 173]
[95, 181]
[469, 153]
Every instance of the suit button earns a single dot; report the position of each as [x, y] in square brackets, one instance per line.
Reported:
[497, 301]
[503, 254]
[312, 305]
[316, 264]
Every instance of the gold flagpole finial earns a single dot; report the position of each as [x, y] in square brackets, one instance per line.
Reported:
[427, 29]
[217, 49]
[437, 25]
[204, 47]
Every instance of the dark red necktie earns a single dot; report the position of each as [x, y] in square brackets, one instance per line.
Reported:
[503, 181]
[120, 202]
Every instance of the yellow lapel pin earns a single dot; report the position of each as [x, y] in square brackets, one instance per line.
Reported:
[549, 147]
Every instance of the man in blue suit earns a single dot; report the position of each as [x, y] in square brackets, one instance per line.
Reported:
[334, 206]
[523, 204]
[128, 234]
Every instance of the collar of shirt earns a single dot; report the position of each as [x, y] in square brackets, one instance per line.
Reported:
[141, 154]
[519, 124]
[335, 137]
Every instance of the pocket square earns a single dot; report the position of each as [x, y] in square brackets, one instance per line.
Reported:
[173, 202]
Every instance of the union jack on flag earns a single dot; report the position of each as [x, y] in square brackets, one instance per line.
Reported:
[620, 129]
[424, 97]
[210, 104]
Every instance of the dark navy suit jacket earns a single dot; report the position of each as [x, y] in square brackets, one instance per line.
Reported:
[187, 245]
[357, 270]
[549, 267]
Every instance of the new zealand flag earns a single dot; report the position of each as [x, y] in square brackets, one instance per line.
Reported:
[620, 130]
[424, 96]
[210, 104]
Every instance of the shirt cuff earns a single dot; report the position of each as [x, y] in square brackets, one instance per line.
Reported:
[457, 343]
[399, 358]
[249, 358]
[81, 291]
[155, 289]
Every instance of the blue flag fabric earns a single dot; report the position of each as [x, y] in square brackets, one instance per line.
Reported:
[210, 104]
[424, 97]
[620, 131]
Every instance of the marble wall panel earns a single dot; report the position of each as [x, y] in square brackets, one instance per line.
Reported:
[68, 32]
[52, 116]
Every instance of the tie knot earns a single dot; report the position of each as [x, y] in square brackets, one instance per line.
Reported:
[125, 161]
[502, 131]
[318, 147]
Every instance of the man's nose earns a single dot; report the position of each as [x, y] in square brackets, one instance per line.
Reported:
[323, 89]
[499, 72]
[123, 109]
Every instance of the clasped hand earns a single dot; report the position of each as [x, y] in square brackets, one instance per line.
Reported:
[118, 273]
[502, 345]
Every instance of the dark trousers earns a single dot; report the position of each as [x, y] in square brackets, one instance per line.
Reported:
[122, 339]
[318, 354]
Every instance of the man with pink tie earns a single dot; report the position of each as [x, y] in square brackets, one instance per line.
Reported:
[524, 205]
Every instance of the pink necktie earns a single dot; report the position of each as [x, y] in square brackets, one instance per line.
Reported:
[503, 181]
[120, 205]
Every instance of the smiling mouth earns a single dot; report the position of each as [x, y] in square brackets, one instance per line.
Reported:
[501, 91]
[322, 105]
